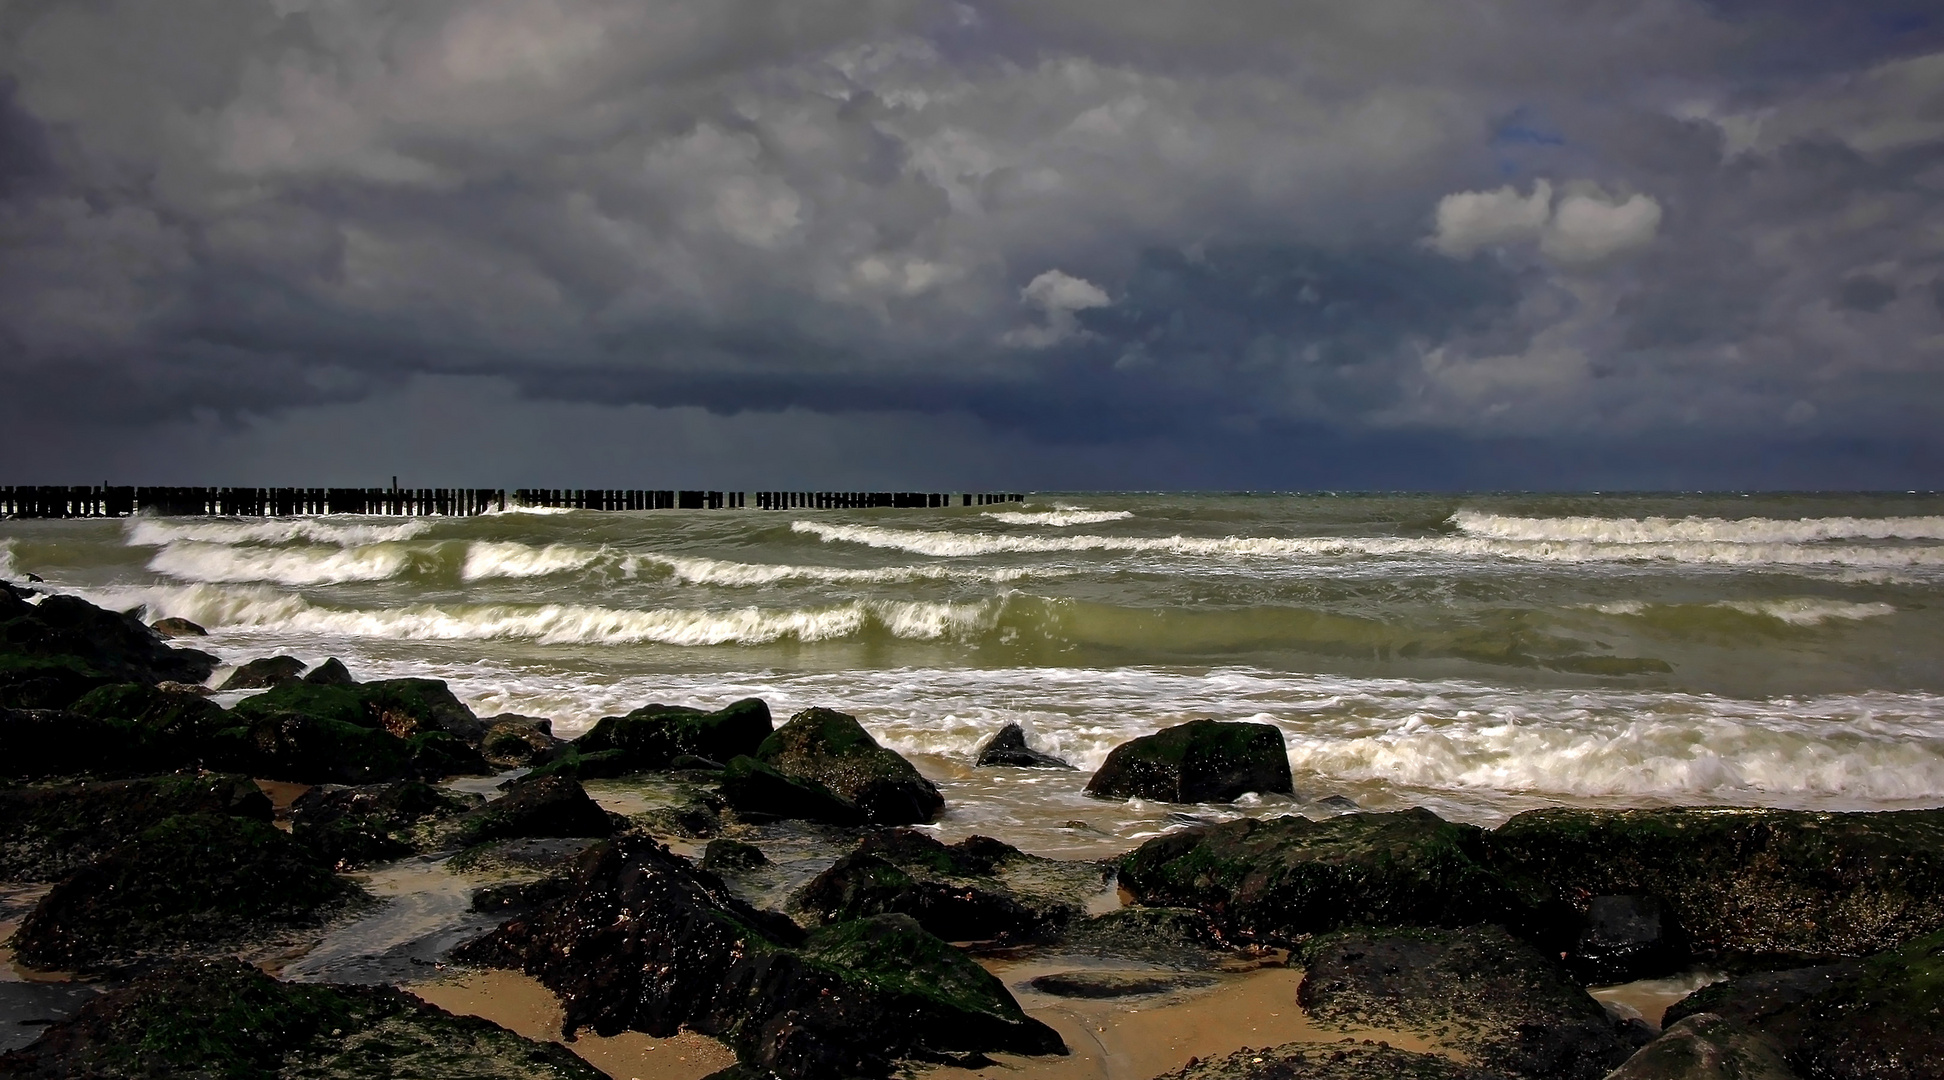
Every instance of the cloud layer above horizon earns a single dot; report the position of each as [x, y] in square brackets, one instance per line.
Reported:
[1238, 243]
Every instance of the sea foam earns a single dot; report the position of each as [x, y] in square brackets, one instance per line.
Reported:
[1660, 530]
[211, 562]
[156, 532]
[1059, 516]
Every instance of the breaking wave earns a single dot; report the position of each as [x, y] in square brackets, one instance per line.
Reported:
[510, 559]
[157, 532]
[1661, 530]
[199, 561]
[1059, 516]
[1796, 611]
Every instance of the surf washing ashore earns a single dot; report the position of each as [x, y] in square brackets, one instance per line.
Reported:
[1516, 746]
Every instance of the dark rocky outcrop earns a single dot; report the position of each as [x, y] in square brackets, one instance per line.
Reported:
[351, 827]
[757, 791]
[53, 652]
[173, 627]
[1200, 761]
[1743, 883]
[1177, 937]
[331, 672]
[265, 673]
[1329, 1061]
[833, 749]
[643, 940]
[1009, 747]
[188, 883]
[1879, 1018]
[122, 729]
[47, 833]
[401, 707]
[1117, 984]
[1622, 938]
[1495, 998]
[542, 806]
[652, 737]
[954, 891]
[513, 741]
[223, 1018]
[1279, 880]
[307, 749]
[1707, 1047]
[732, 855]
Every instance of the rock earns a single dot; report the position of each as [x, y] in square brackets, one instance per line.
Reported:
[307, 749]
[643, 940]
[224, 1018]
[1329, 1061]
[755, 789]
[170, 686]
[548, 806]
[952, 891]
[265, 673]
[1200, 761]
[1178, 937]
[651, 737]
[115, 730]
[1502, 1003]
[1707, 1047]
[352, 827]
[833, 749]
[173, 726]
[53, 652]
[1117, 984]
[188, 883]
[401, 707]
[1879, 1018]
[47, 833]
[173, 627]
[331, 672]
[1624, 938]
[439, 754]
[513, 742]
[732, 855]
[1009, 748]
[1743, 883]
[1276, 881]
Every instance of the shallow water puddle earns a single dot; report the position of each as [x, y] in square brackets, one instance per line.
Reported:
[1649, 999]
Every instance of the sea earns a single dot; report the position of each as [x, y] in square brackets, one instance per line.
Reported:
[1479, 655]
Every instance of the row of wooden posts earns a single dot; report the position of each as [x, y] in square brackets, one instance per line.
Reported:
[110, 501]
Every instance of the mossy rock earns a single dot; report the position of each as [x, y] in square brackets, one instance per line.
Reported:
[360, 826]
[172, 722]
[1196, 762]
[513, 742]
[189, 883]
[653, 736]
[1707, 1047]
[223, 1018]
[265, 673]
[1329, 1061]
[953, 891]
[37, 744]
[1279, 880]
[753, 788]
[54, 652]
[308, 749]
[47, 833]
[402, 707]
[547, 806]
[732, 855]
[1744, 883]
[439, 754]
[833, 749]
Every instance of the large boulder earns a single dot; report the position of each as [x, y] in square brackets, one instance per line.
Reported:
[834, 750]
[352, 827]
[263, 674]
[1277, 881]
[1196, 762]
[331, 672]
[1879, 1018]
[1008, 747]
[513, 741]
[224, 1018]
[640, 939]
[1329, 1061]
[53, 652]
[960, 892]
[1704, 1046]
[38, 744]
[757, 791]
[542, 806]
[653, 736]
[1742, 883]
[1495, 998]
[306, 749]
[401, 707]
[47, 833]
[188, 884]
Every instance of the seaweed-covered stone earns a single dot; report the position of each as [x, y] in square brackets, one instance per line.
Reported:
[1008, 747]
[53, 652]
[350, 827]
[47, 833]
[1879, 1018]
[513, 741]
[306, 749]
[1178, 937]
[175, 627]
[1502, 1003]
[952, 891]
[223, 1018]
[265, 673]
[833, 749]
[1707, 1047]
[1199, 761]
[1329, 1061]
[643, 940]
[732, 855]
[173, 723]
[187, 884]
[547, 806]
[1623, 938]
[1117, 984]
[653, 736]
[331, 672]
[402, 707]
[1279, 880]
[439, 754]
[1745, 882]
[756, 790]
[38, 744]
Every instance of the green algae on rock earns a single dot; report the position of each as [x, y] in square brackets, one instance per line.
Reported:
[754, 788]
[968, 891]
[1199, 761]
[1329, 1061]
[833, 749]
[47, 833]
[352, 827]
[653, 736]
[546, 806]
[1704, 1046]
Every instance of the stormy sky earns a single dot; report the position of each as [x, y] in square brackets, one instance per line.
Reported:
[1047, 244]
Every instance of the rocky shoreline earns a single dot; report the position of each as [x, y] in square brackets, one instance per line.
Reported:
[200, 890]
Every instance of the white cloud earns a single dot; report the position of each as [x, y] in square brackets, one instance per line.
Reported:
[1589, 229]
[1469, 220]
[1582, 229]
[1058, 294]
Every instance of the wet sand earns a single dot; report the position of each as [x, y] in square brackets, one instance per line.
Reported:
[1649, 998]
[521, 1004]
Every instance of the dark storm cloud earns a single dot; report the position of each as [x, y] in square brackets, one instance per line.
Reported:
[1544, 239]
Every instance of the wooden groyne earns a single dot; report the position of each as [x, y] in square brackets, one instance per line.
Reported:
[113, 502]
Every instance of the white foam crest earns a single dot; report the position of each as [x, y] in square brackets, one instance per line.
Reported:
[510, 559]
[1804, 611]
[540, 510]
[198, 561]
[701, 571]
[158, 532]
[955, 544]
[7, 568]
[1059, 516]
[1656, 530]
